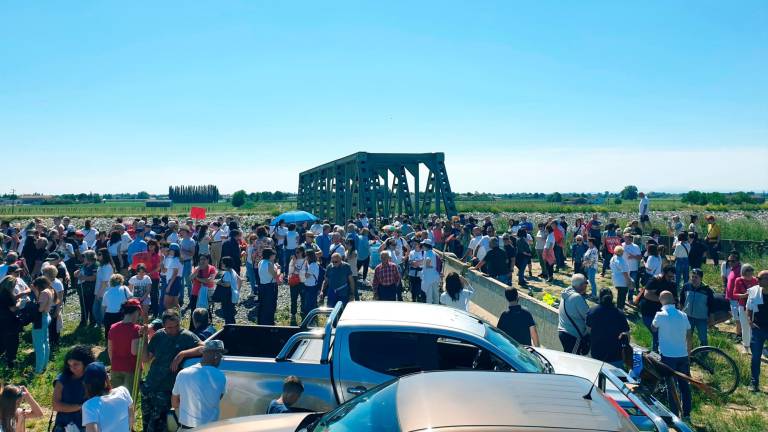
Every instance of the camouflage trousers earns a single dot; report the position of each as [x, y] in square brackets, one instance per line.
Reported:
[155, 406]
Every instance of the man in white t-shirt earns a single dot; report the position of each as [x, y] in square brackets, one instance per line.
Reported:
[633, 256]
[199, 388]
[476, 248]
[89, 234]
[675, 345]
[643, 210]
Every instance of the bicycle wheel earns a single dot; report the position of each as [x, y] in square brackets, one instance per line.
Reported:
[715, 368]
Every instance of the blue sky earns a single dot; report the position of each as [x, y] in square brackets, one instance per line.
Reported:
[534, 96]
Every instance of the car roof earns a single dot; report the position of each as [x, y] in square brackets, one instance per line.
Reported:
[470, 398]
[410, 314]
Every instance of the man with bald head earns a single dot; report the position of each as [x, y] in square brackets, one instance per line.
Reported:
[339, 283]
[674, 331]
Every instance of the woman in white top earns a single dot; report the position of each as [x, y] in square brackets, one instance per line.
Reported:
[682, 248]
[140, 285]
[102, 282]
[107, 409]
[310, 288]
[296, 272]
[173, 269]
[13, 418]
[268, 277]
[653, 263]
[620, 276]
[230, 279]
[457, 293]
[114, 297]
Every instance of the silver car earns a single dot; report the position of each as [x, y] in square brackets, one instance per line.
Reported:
[458, 402]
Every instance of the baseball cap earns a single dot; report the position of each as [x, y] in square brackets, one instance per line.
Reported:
[132, 303]
[53, 256]
[174, 247]
[95, 373]
[427, 242]
[214, 345]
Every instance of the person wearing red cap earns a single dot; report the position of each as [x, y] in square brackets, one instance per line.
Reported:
[123, 344]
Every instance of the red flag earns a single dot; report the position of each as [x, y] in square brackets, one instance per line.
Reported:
[197, 212]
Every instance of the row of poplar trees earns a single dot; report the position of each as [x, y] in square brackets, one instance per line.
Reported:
[193, 194]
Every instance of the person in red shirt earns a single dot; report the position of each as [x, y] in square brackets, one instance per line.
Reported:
[151, 259]
[202, 277]
[124, 343]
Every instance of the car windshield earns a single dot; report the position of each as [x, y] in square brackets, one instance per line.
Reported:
[374, 411]
[522, 360]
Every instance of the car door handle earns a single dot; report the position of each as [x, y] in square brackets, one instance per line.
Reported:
[356, 390]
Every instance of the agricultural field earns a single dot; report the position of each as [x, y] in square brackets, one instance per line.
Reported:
[738, 222]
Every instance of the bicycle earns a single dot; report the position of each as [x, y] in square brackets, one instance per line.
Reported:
[712, 372]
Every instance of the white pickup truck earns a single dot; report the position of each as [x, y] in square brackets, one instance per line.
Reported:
[340, 353]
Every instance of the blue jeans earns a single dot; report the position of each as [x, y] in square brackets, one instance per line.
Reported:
[648, 320]
[98, 313]
[682, 365]
[41, 343]
[250, 272]
[634, 275]
[681, 271]
[591, 274]
[700, 325]
[287, 255]
[521, 263]
[759, 336]
[186, 279]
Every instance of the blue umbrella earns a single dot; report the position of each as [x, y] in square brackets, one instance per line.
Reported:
[296, 216]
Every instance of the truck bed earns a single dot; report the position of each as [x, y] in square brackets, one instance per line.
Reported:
[255, 340]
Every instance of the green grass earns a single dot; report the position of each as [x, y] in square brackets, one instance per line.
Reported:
[523, 206]
[112, 209]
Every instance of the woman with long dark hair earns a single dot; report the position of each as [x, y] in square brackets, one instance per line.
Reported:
[12, 417]
[106, 409]
[457, 293]
[311, 283]
[9, 322]
[68, 389]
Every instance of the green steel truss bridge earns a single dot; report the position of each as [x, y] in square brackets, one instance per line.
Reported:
[376, 184]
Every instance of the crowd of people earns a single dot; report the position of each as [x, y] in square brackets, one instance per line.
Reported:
[138, 280]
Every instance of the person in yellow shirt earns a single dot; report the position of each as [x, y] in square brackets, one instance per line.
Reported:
[713, 240]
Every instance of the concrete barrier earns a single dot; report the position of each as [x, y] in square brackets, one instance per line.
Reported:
[489, 296]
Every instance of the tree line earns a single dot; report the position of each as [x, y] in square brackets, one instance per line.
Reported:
[194, 194]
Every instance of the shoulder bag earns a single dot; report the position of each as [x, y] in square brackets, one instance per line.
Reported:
[583, 342]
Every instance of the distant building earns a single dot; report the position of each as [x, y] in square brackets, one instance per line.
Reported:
[158, 203]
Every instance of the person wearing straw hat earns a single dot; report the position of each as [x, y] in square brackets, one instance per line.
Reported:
[199, 388]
